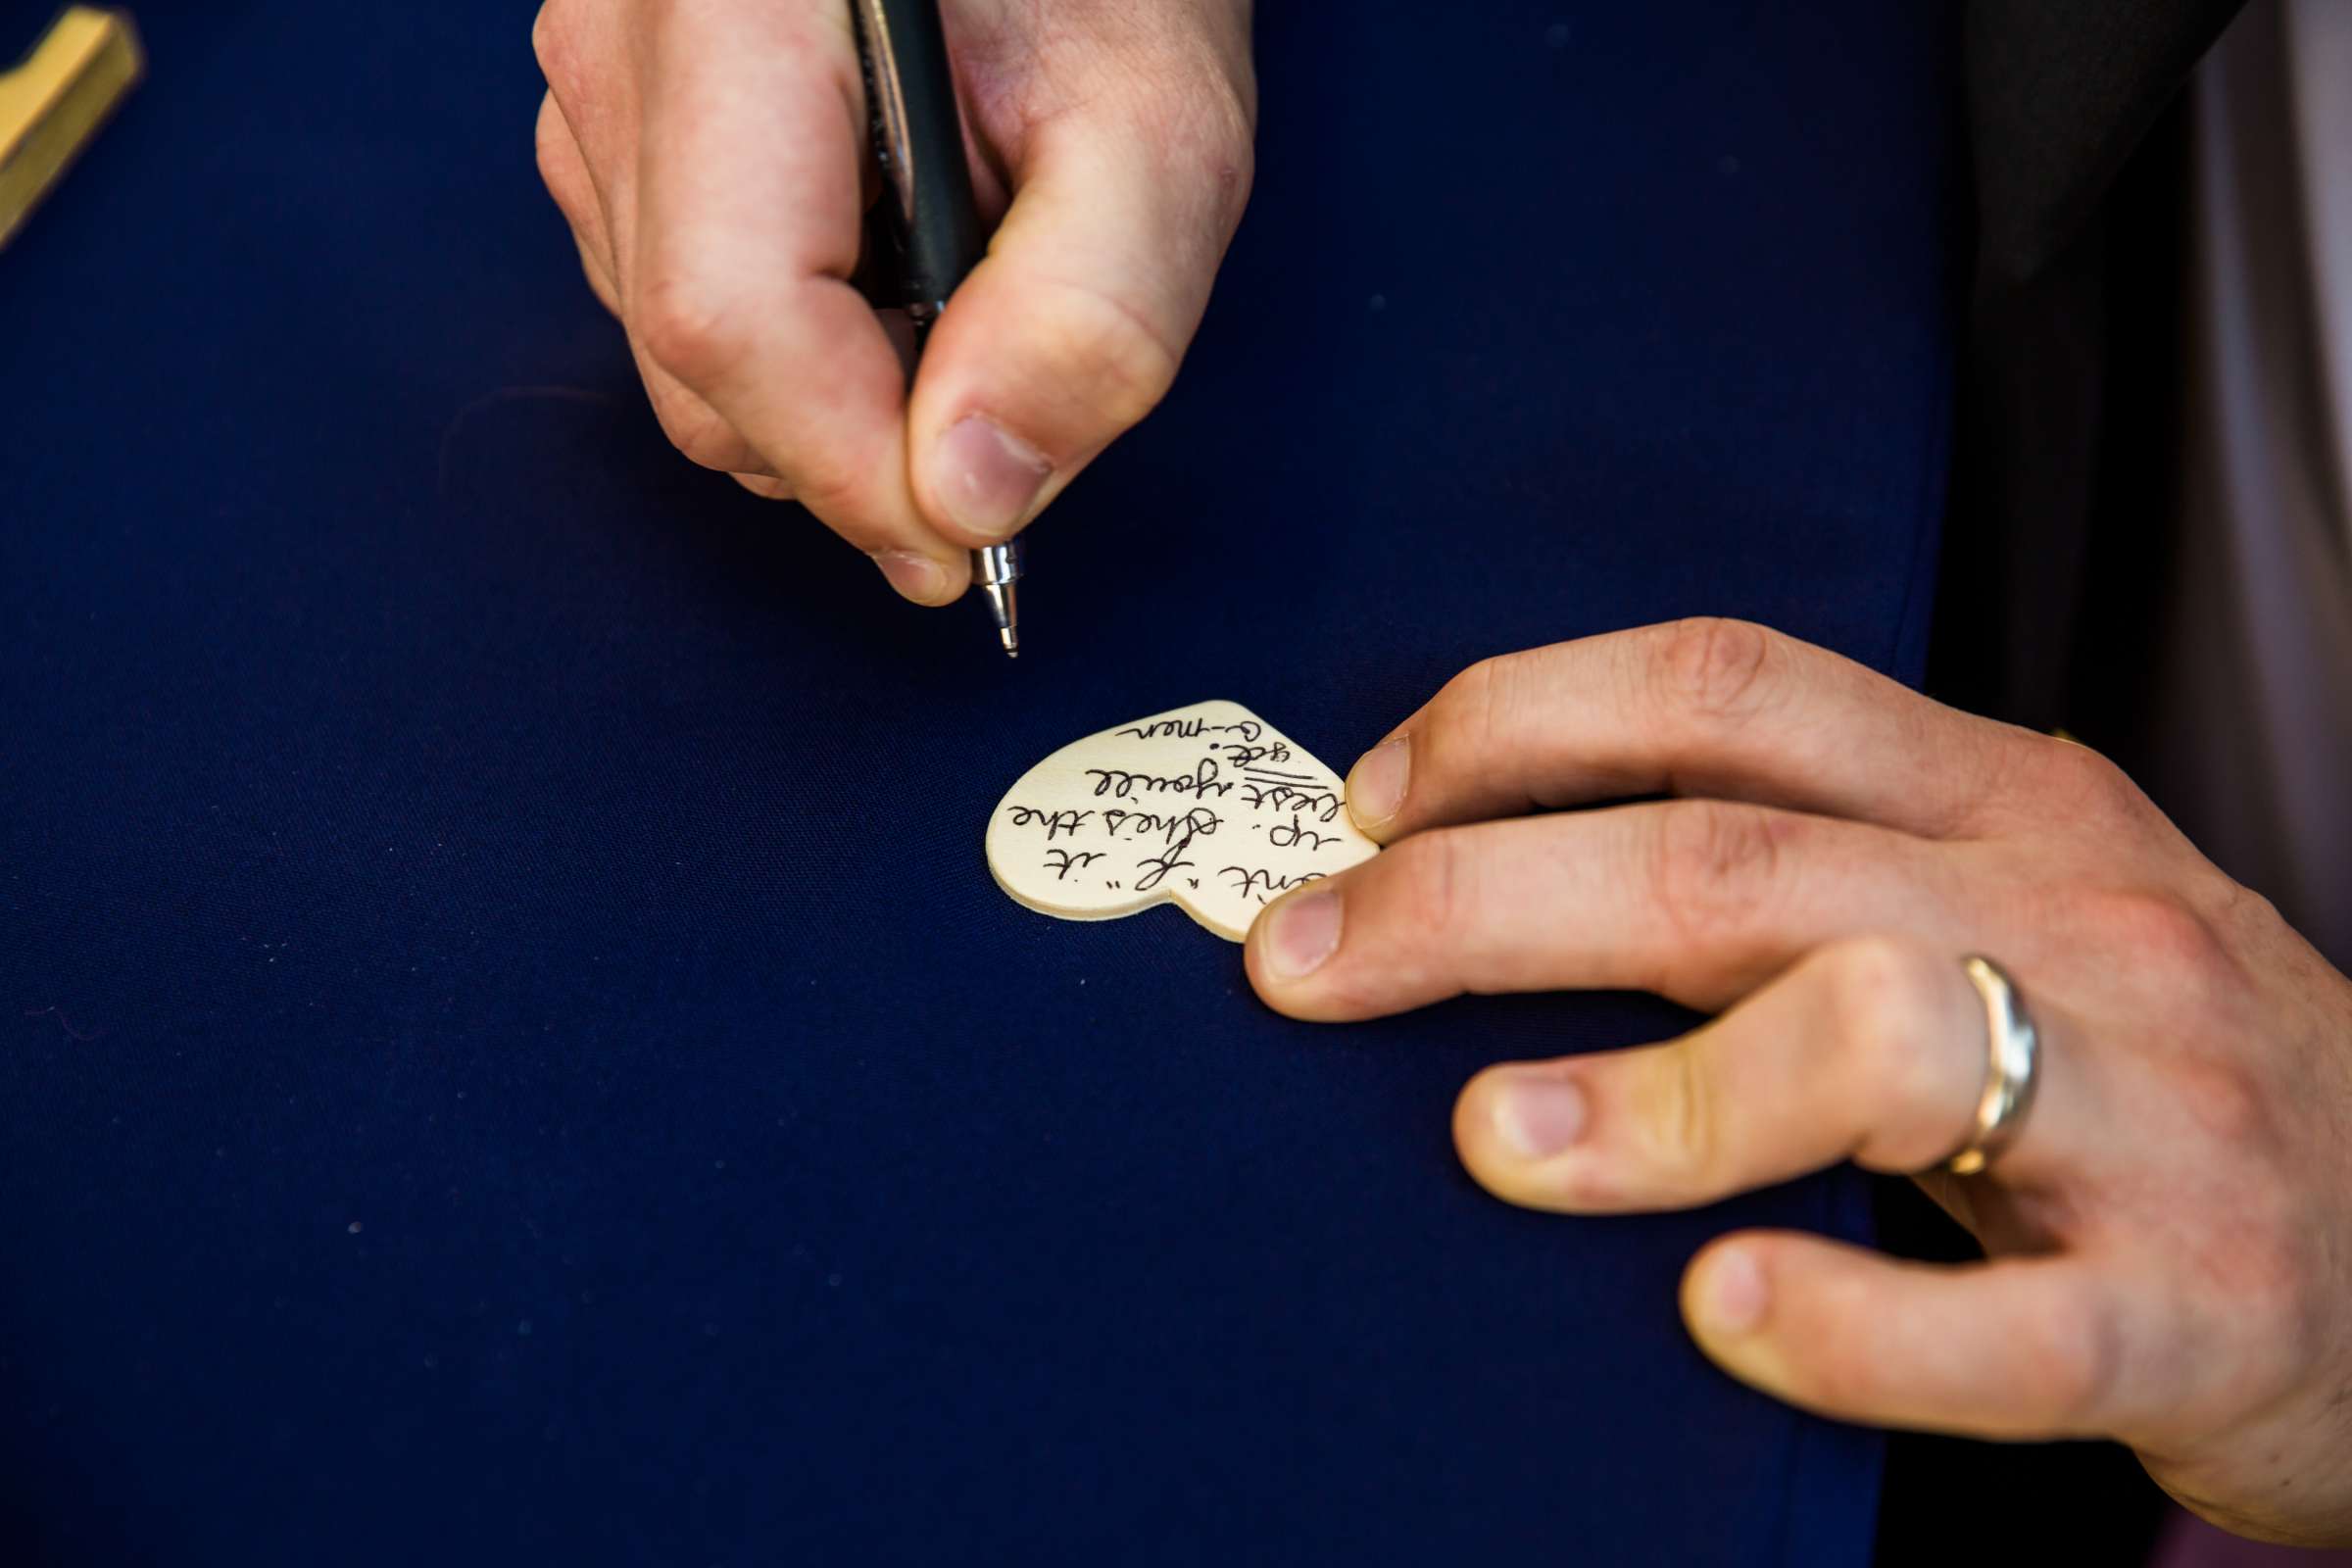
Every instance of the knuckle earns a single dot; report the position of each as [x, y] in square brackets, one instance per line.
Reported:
[689, 324]
[2164, 937]
[1465, 706]
[1716, 862]
[2227, 1101]
[695, 428]
[838, 496]
[765, 486]
[1712, 669]
[1474, 710]
[1884, 996]
[2096, 786]
[2073, 1356]
[1686, 1127]
[558, 169]
[1216, 126]
[550, 42]
[2236, 909]
[1233, 167]
[598, 284]
[703, 438]
[1454, 733]
[1428, 873]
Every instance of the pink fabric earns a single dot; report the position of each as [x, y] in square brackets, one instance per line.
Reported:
[2189, 1541]
[2255, 675]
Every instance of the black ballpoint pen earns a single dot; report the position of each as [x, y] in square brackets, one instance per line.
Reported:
[922, 235]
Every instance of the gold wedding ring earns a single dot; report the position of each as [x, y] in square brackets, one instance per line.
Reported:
[2013, 1061]
[54, 102]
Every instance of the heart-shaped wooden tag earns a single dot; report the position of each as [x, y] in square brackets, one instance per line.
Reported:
[1206, 807]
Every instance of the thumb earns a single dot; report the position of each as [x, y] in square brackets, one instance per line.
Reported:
[1072, 328]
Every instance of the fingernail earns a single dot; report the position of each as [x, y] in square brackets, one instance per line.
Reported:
[984, 478]
[917, 577]
[1539, 1114]
[1376, 784]
[1302, 933]
[1731, 1296]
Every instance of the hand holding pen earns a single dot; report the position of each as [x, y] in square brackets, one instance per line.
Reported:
[714, 162]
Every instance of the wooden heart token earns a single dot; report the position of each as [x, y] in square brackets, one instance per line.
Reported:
[1208, 808]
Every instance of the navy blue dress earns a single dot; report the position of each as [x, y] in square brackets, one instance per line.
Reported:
[463, 1103]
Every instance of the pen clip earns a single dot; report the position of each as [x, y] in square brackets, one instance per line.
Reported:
[885, 102]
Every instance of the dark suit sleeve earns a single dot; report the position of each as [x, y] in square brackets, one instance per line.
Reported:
[2062, 98]
[2059, 97]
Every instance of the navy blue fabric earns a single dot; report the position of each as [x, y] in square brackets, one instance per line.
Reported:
[468, 1096]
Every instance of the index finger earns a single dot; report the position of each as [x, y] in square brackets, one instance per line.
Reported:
[750, 203]
[1714, 708]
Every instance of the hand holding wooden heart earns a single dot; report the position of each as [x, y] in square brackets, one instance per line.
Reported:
[1207, 806]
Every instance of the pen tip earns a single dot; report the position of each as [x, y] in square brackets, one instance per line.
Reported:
[1012, 642]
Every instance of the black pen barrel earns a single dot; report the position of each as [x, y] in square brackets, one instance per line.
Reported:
[921, 134]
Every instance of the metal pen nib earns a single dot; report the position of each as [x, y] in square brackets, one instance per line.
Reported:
[996, 571]
[925, 236]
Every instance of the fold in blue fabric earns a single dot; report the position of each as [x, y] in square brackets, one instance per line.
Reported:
[510, 1049]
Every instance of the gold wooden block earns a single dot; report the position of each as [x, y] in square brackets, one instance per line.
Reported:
[52, 104]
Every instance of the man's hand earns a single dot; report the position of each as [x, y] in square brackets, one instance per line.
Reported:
[2170, 1240]
[709, 154]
